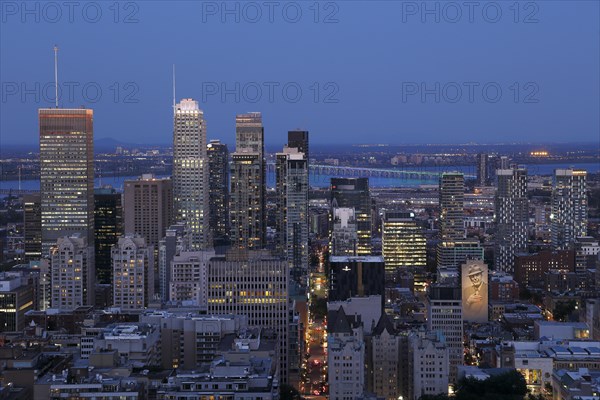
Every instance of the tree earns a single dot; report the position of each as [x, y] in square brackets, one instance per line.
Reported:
[563, 309]
[288, 392]
[510, 385]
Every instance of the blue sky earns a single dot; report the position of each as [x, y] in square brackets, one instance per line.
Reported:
[368, 72]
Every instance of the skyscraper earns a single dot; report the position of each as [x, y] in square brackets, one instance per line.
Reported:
[190, 172]
[248, 184]
[452, 192]
[72, 273]
[108, 225]
[218, 183]
[483, 170]
[404, 244]
[148, 207]
[133, 275]
[292, 204]
[299, 140]
[569, 216]
[66, 174]
[354, 193]
[512, 217]
[32, 226]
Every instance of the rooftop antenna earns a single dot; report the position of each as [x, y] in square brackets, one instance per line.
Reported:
[56, 75]
[173, 89]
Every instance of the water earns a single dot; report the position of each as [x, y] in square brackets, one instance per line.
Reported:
[318, 180]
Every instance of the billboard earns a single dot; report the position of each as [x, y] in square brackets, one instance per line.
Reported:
[474, 291]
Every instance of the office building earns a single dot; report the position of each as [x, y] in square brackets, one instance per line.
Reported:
[292, 216]
[66, 174]
[254, 284]
[454, 253]
[569, 216]
[189, 341]
[299, 140]
[512, 217]
[133, 273]
[218, 184]
[190, 173]
[354, 193]
[404, 244]
[452, 216]
[148, 207]
[352, 276]
[428, 358]
[344, 234]
[16, 298]
[72, 273]
[248, 184]
[445, 316]
[32, 226]
[108, 226]
[188, 281]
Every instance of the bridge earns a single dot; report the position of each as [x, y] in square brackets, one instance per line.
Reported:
[17, 192]
[365, 172]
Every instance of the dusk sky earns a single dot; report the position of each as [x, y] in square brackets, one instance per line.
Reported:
[361, 67]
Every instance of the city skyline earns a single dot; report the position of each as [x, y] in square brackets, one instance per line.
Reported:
[347, 200]
[373, 84]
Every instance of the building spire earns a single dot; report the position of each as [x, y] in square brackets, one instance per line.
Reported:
[173, 89]
[56, 75]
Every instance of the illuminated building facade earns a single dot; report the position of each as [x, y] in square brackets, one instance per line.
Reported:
[248, 184]
[254, 284]
[72, 273]
[292, 218]
[16, 298]
[190, 172]
[569, 216]
[133, 273]
[66, 174]
[455, 253]
[354, 193]
[404, 244]
[218, 183]
[512, 217]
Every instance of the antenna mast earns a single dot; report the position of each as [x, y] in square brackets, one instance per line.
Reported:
[173, 89]
[56, 75]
